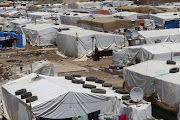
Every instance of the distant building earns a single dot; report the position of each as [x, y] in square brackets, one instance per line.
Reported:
[59, 1]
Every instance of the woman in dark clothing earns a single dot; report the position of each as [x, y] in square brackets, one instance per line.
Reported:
[96, 55]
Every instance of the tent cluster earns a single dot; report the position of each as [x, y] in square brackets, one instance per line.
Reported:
[142, 39]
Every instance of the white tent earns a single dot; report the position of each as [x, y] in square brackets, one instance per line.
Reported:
[59, 98]
[83, 5]
[153, 76]
[78, 42]
[121, 57]
[160, 18]
[127, 15]
[166, 35]
[40, 34]
[19, 22]
[72, 18]
[41, 14]
[43, 68]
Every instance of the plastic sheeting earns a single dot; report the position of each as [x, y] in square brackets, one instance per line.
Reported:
[19, 22]
[166, 35]
[82, 42]
[72, 18]
[40, 34]
[127, 15]
[57, 99]
[41, 14]
[144, 111]
[121, 57]
[43, 68]
[160, 18]
[82, 5]
[153, 76]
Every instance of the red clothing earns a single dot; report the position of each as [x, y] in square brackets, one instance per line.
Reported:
[122, 117]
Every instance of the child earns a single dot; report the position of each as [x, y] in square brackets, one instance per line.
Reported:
[21, 66]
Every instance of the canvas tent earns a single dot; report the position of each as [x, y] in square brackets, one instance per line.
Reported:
[43, 68]
[19, 22]
[59, 98]
[166, 35]
[153, 76]
[41, 15]
[40, 34]
[78, 42]
[72, 18]
[167, 20]
[108, 23]
[134, 54]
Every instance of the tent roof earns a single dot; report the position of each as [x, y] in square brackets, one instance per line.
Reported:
[125, 13]
[154, 68]
[108, 23]
[38, 26]
[167, 16]
[48, 88]
[157, 33]
[20, 21]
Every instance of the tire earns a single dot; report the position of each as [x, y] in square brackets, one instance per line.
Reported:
[171, 62]
[174, 70]
[26, 95]
[99, 81]
[31, 99]
[116, 87]
[126, 97]
[76, 75]
[130, 64]
[89, 86]
[69, 77]
[107, 85]
[21, 91]
[95, 90]
[91, 79]
[122, 91]
[78, 81]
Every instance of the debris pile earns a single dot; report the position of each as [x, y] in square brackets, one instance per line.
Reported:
[6, 73]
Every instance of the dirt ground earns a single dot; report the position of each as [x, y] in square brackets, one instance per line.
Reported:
[27, 58]
[9, 64]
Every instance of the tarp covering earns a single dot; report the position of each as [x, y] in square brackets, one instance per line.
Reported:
[165, 16]
[41, 14]
[121, 57]
[43, 68]
[40, 34]
[153, 76]
[59, 98]
[108, 23]
[166, 35]
[104, 12]
[17, 22]
[127, 15]
[82, 5]
[82, 42]
[74, 17]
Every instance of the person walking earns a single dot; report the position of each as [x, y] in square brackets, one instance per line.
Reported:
[21, 66]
